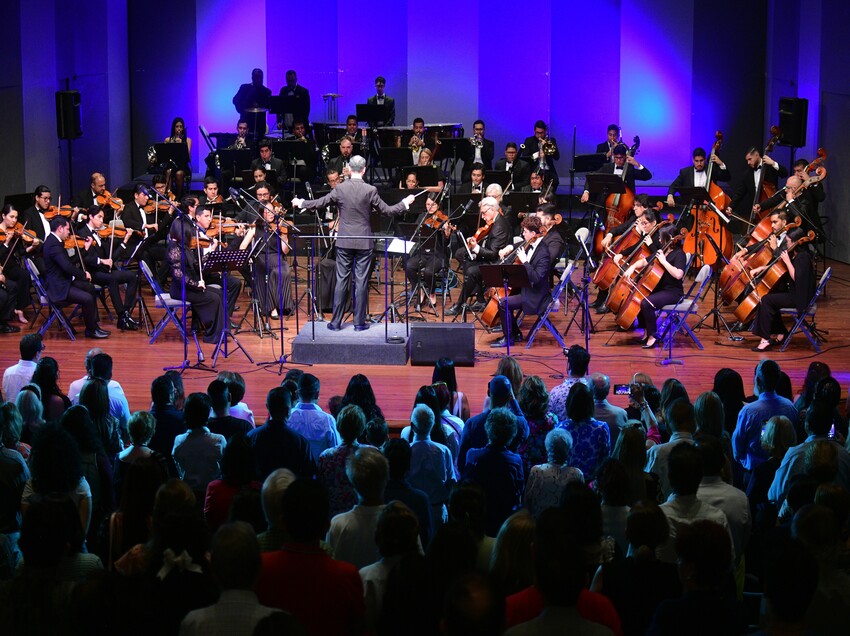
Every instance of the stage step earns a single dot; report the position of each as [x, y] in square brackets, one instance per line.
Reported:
[349, 346]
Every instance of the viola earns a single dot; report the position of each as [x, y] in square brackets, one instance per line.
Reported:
[203, 241]
[161, 205]
[481, 232]
[74, 242]
[52, 211]
[107, 200]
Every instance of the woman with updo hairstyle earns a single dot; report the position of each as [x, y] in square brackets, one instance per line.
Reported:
[142, 427]
[350, 423]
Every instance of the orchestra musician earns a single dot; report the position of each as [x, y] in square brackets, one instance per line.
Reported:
[296, 102]
[211, 193]
[356, 200]
[266, 239]
[534, 147]
[426, 158]
[178, 136]
[253, 95]
[552, 239]
[205, 301]
[610, 143]
[815, 192]
[88, 197]
[415, 140]
[12, 252]
[430, 257]
[340, 164]
[484, 252]
[621, 157]
[66, 282]
[794, 289]
[534, 297]
[327, 266]
[762, 170]
[305, 169]
[695, 176]
[8, 298]
[100, 263]
[668, 291]
[483, 150]
[357, 135]
[411, 181]
[34, 215]
[135, 217]
[476, 181]
[380, 98]
[796, 206]
[535, 184]
[519, 168]
[268, 161]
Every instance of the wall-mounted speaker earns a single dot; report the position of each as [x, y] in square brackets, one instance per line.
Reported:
[792, 121]
[68, 115]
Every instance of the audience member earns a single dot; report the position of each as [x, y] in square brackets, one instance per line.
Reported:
[578, 360]
[547, 481]
[614, 416]
[278, 446]
[169, 419]
[729, 385]
[431, 466]
[221, 422]
[790, 584]
[441, 433]
[197, 452]
[46, 378]
[94, 396]
[17, 375]
[350, 424]
[444, 371]
[236, 387]
[444, 400]
[534, 402]
[359, 391]
[31, 409]
[308, 418]
[612, 484]
[591, 438]
[510, 368]
[99, 365]
[630, 450]
[179, 389]
[397, 452]
[142, 427]
[680, 419]
[468, 507]
[511, 566]
[238, 473]
[473, 607]
[270, 496]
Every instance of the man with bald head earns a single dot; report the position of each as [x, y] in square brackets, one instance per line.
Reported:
[614, 416]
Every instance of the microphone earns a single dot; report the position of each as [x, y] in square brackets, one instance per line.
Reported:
[147, 191]
[234, 194]
[468, 206]
[309, 189]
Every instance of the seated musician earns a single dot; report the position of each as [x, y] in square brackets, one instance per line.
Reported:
[139, 217]
[800, 205]
[357, 135]
[272, 279]
[411, 181]
[268, 161]
[519, 168]
[621, 157]
[695, 176]
[483, 151]
[430, 256]
[67, 282]
[476, 180]
[536, 184]
[241, 141]
[814, 192]
[13, 250]
[610, 143]
[552, 239]
[88, 198]
[669, 290]
[178, 136]
[34, 216]
[641, 205]
[184, 255]
[477, 253]
[100, 257]
[426, 158]
[305, 169]
[340, 164]
[533, 298]
[795, 289]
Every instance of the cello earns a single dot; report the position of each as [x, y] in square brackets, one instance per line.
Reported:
[608, 270]
[707, 222]
[617, 206]
[761, 284]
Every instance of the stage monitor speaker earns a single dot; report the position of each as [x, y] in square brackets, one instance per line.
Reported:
[68, 115]
[431, 341]
[792, 121]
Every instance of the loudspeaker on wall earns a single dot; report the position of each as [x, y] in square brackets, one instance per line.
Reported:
[792, 121]
[68, 115]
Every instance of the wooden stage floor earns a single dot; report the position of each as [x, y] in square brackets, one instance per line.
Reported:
[137, 363]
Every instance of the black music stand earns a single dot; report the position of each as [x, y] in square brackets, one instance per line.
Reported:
[176, 153]
[522, 201]
[372, 114]
[461, 199]
[457, 148]
[588, 163]
[502, 177]
[256, 119]
[236, 160]
[222, 262]
[508, 277]
[424, 237]
[394, 158]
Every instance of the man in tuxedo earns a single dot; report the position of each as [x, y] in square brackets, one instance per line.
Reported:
[476, 182]
[534, 148]
[484, 253]
[418, 133]
[357, 135]
[483, 151]
[636, 172]
[519, 168]
[135, 217]
[536, 184]
[380, 98]
[296, 102]
[340, 164]
[813, 196]
[534, 297]
[100, 263]
[609, 144]
[34, 215]
[356, 199]
[253, 95]
[268, 161]
[695, 176]
[305, 169]
[762, 170]
[66, 282]
[88, 198]
[552, 239]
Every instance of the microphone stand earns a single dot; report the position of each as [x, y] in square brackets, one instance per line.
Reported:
[584, 304]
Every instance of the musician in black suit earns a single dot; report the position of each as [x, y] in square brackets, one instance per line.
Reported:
[813, 195]
[476, 180]
[100, 263]
[88, 198]
[356, 200]
[380, 98]
[636, 172]
[34, 215]
[13, 251]
[485, 252]
[253, 95]
[268, 161]
[483, 151]
[609, 144]
[339, 164]
[695, 176]
[135, 217]
[534, 147]
[305, 169]
[536, 184]
[66, 282]
[296, 102]
[415, 140]
[534, 297]
[430, 255]
[762, 170]
[519, 168]
[552, 238]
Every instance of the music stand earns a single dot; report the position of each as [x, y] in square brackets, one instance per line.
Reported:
[458, 148]
[394, 158]
[461, 199]
[222, 262]
[372, 114]
[176, 153]
[426, 176]
[502, 177]
[423, 238]
[239, 158]
[256, 119]
[588, 163]
[522, 201]
[508, 277]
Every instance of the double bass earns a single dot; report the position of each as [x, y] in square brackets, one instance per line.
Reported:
[617, 206]
[765, 190]
[707, 222]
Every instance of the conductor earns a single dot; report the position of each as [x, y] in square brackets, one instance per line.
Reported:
[355, 200]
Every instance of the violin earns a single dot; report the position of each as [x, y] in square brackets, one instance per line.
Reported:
[117, 232]
[66, 211]
[481, 232]
[107, 200]
[162, 206]
[74, 242]
[28, 236]
[203, 241]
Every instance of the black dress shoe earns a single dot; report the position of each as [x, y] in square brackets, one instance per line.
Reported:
[361, 327]
[602, 310]
[501, 343]
[97, 333]
[334, 327]
[129, 320]
[770, 345]
[650, 346]
[454, 310]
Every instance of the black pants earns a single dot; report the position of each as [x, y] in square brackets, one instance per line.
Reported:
[423, 266]
[154, 256]
[471, 278]
[82, 293]
[23, 281]
[207, 307]
[8, 299]
[768, 319]
[348, 262]
[114, 280]
[514, 305]
[652, 303]
[269, 283]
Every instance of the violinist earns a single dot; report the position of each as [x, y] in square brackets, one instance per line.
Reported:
[66, 282]
[88, 197]
[695, 176]
[12, 250]
[484, 252]
[762, 170]
[211, 194]
[533, 298]
[178, 136]
[34, 215]
[795, 289]
[136, 217]
[160, 204]
[100, 263]
[271, 277]
[621, 157]
[206, 301]
[610, 143]
[430, 256]
[669, 290]
[797, 204]
[476, 181]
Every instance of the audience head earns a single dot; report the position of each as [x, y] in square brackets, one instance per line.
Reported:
[711, 454]
[46, 376]
[647, 528]
[509, 367]
[679, 416]
[584, 514]
[427, 396]
[422, 421]
[708, 414]
[468, 505]
[350, 423]
[101, 366]
[368, 472]
[196, 412]
[95, 397]
[704, 550]
[273, 488]
[818, 419]
[778, 436]
[179, 391]
[672, 390]
[444, 396]
[334, 405]
[55, 462]
[11, 425]
[308, 388]
[30, 407]
[558, 562]
[235, 556]
[237, 462]
[818, 529]
[304, 511]
[359, 391]
[397, 530]
[473, 607]
[377, 432]
[78, 423]
[601, 386]
[219, 397]
[790, 582]
[684, 469]
[578, 359]
[162, 391]
[397, 452]
[821, 461]
[31, 347]
[612, 483]
[142, 426]
[279, 403]
[630, 448]
[828, 392]
[50, 530]
[444, 371]
[580, 405]
[500, 391]
[559, 445]
[511, 561]
[817, 371]
[500, 426]
[767, 376]
[235, 384]
[837, 498]
[292, 387]
[173, 498]
[534, 398]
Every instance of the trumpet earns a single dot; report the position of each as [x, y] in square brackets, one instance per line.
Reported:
[548, 147]
[415, 143]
